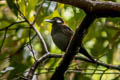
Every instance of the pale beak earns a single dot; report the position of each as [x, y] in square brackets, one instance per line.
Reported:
[49, 20]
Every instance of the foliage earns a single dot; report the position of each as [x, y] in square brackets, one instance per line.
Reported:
[16, 57]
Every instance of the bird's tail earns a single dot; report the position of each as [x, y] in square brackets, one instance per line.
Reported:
[85, 53]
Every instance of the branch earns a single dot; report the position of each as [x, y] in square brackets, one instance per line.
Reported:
[3, 40]
[98, 8]
[87, 60]
[35, 29]
[38, 11]
[93, 9]
[48, 56]
[35, 65]
[85, 73]
[38, 61]
[6, 29]
[11, 25]
[72, 48]
[103, 73]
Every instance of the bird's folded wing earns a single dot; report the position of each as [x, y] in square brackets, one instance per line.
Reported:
[67, 31]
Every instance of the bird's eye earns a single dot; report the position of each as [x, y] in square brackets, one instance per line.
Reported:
[58, 21]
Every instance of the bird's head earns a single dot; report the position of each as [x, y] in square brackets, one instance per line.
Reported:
[55, 20]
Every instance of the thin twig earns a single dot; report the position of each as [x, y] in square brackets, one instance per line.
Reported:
[35, 29]
[38, 11]
[33, 37]
[47, 56]
[117, 77]
[90, 69]
[95, 70]
[3, 39]
[18, 28]
[38, 61]
[85, 73]
[103, 73]
[31, 48]
[11, 25]
[36, 64]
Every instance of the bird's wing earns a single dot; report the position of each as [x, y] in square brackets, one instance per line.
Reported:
[67, 31]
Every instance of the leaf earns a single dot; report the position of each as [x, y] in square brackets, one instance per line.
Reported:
[12, 6]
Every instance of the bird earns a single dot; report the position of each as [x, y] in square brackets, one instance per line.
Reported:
[61, 36]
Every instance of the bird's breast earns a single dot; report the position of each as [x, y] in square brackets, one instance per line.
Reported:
[60, 40]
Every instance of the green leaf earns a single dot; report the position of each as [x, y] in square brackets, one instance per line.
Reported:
[12, 6]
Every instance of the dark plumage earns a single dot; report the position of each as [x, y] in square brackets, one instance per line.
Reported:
[61, 35]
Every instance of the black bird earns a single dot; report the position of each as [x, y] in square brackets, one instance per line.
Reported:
[61, 35]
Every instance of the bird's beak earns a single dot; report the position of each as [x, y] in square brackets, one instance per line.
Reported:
[49, 20]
